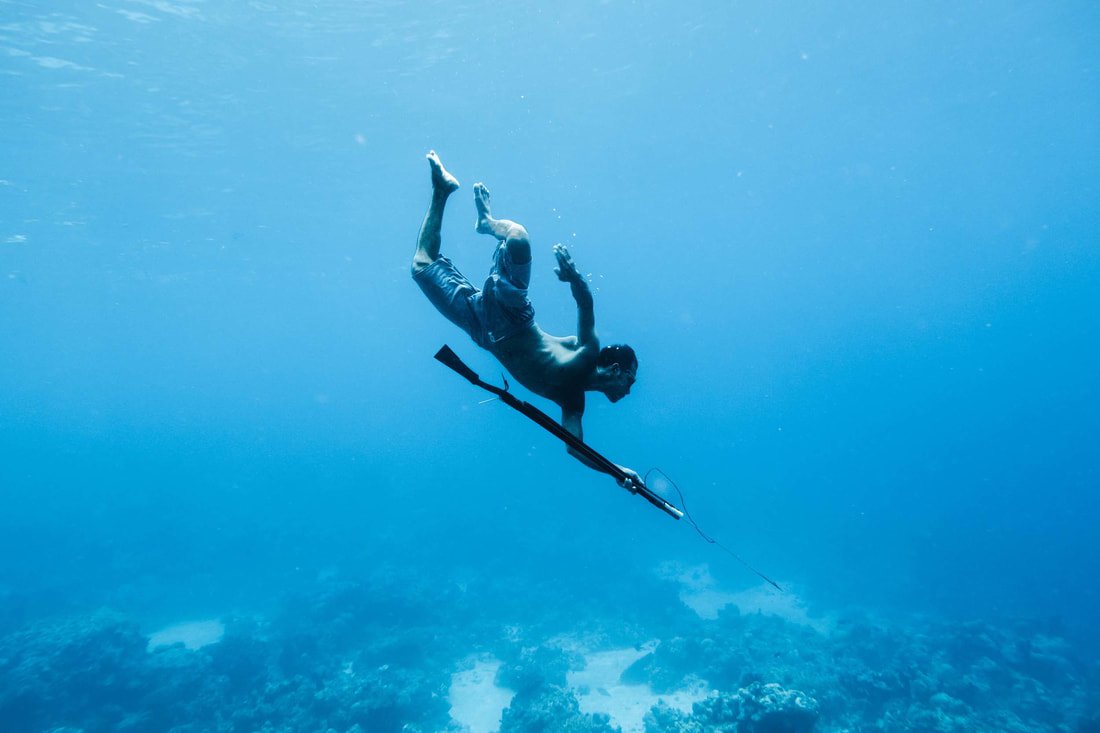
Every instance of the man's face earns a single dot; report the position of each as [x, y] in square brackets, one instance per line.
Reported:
[620, 383]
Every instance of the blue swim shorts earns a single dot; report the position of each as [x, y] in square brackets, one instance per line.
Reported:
[490, 315]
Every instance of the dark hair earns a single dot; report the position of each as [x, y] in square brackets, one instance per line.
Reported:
[620, 354]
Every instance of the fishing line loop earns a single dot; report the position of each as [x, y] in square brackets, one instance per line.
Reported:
[704, 535]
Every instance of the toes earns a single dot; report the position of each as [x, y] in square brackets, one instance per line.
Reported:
[481, 196]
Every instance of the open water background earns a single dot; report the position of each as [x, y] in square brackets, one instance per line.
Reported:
[855, 247]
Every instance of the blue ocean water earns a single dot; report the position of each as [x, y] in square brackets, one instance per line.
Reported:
[855, 247]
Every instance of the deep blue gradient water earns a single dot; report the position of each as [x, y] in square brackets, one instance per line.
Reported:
[856, 247]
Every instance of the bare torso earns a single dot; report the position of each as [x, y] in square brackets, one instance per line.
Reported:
[553, 367]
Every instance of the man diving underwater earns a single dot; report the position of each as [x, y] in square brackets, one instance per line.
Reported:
[500, 318]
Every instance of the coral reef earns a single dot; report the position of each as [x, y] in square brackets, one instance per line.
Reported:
[97, 674]
[96, 665]
[550, 709]
[535, 667]
[923, 675]
[758, 708]
[769, 708]
[378, 655]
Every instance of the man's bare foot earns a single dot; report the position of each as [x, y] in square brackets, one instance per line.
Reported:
[481, 201]
[442, 181]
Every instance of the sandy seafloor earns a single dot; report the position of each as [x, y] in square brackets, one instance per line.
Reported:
[394, 653]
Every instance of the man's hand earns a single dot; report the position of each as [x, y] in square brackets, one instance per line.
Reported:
[566, 269]
[632, 482]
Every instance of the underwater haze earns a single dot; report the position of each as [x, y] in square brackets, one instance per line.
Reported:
[856, 247]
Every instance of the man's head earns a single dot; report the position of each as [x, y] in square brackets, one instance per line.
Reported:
[616, 369]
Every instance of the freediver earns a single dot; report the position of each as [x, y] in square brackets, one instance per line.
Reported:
[501, 319]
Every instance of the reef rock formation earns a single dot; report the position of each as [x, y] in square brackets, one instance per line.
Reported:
[769, 708]
[550, 709]
[758, 708]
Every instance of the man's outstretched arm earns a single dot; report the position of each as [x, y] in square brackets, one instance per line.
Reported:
[586, 315]
[571, 421]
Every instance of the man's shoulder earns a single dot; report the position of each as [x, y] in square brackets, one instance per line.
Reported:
[569, 342]
[585, 354]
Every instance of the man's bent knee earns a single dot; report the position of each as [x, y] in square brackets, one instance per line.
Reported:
[519, 246]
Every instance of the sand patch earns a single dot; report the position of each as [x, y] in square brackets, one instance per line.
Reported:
[786, 605]
[599, 689]
[699, 592]
[476, 700]
[192, 634]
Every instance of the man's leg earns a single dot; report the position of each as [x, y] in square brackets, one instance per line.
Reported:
[511, 233]
[428, 243]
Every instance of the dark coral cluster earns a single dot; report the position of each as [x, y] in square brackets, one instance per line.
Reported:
[865, 675]
[551, 709]
[378, 655]
[351, 659]
[758, 708]
[542, 702]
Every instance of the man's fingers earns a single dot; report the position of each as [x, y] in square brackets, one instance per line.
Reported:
[566, 269]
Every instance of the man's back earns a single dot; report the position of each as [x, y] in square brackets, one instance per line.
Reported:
[553, 367]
